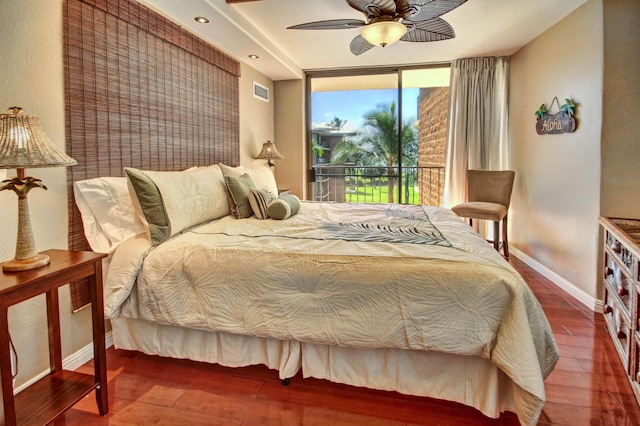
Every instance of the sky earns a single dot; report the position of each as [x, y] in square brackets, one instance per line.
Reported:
[351, 105]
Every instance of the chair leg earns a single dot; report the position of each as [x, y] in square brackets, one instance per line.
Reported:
[505, 241]
[496, 236]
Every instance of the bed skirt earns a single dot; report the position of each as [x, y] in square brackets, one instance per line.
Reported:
[472, 381]
[226, 349]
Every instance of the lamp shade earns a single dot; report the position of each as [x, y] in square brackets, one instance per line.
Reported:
[23, 143]
[269, 152]
[384, 32]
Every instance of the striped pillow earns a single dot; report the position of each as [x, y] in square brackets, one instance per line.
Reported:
[259, 200]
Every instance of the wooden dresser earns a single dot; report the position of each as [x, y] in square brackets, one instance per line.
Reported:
[622, 292]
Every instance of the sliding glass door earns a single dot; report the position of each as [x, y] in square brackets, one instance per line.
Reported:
[366, 138]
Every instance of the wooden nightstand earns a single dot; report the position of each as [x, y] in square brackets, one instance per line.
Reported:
[50, 396]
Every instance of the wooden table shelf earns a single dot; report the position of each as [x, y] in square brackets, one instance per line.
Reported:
[52, 395]
[62, 388]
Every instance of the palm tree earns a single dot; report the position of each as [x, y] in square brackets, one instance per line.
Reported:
[337, 123]
[377, 144]
[22, 186]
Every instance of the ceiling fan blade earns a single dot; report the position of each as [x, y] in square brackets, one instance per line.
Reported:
[332, 24]
[373, 7]
[434, 29]
[428, 9]
[404, 9]
[359, 45]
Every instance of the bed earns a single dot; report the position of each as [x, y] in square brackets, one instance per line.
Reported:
[392, 297]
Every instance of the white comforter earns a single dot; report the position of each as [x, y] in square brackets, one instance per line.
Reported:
[353, 275]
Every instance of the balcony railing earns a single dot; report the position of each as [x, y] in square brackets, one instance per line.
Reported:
[363, 184]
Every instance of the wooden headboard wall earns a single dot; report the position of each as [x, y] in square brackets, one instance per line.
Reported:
[142, 92]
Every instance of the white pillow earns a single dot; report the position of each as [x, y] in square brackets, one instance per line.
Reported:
[260, 174]
[107, 212]
[183, 199]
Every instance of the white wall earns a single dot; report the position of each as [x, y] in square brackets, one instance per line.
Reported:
[256, 115]
[621, 110]
[32, 76]
[290, 136]
[556, 199]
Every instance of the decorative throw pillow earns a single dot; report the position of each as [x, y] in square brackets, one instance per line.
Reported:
[284, 207]
[259, 199]
[170, 202]
[148, 203]
[238, 189]
[261, 175]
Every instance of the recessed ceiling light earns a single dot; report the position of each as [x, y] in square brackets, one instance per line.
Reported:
[253, 56]
[201, 20]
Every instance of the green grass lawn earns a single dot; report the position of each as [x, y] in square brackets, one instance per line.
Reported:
[379, 194]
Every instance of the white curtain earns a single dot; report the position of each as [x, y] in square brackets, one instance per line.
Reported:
[478, 122]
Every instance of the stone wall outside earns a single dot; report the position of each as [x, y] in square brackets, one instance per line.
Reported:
[432, 134]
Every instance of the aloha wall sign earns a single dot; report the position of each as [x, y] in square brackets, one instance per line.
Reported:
[562, 121]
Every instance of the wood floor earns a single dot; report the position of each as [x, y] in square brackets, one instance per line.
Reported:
[587, 387]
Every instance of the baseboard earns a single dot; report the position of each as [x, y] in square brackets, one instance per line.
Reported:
[72, 362]
[569, 288]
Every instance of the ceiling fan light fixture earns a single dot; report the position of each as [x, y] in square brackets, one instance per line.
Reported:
[383, 33]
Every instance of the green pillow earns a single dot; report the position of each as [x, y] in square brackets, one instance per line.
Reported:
[284, 207]
[238, 189]
[151, 205]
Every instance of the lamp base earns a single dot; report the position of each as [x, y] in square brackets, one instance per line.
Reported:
[17, 265]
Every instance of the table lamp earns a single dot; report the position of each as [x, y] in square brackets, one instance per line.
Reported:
[23, 144]
[269, 152]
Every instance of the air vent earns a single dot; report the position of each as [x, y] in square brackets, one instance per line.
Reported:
[260, 92]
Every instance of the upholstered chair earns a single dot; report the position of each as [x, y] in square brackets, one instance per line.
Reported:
[488, 198]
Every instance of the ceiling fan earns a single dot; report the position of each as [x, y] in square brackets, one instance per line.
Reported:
[388, 21]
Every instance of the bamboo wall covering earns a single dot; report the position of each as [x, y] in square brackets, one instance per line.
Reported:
[142, 92]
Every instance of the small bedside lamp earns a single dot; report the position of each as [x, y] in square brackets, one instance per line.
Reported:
[269, 152]
[23, 144]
